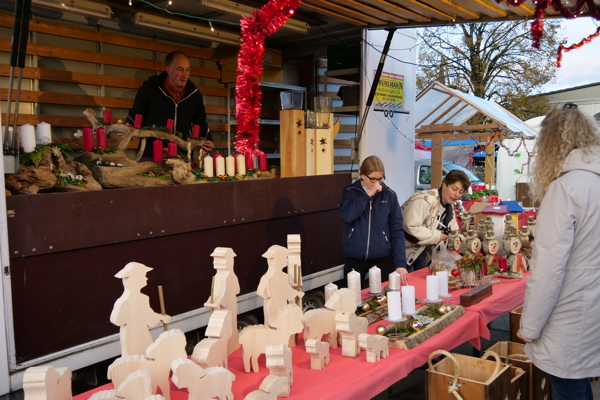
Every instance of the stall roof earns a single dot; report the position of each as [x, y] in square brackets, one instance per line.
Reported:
[438, 104]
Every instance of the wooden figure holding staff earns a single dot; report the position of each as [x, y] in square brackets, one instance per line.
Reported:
[132, 311]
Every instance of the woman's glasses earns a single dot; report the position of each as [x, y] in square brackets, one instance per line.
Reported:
[373, 180]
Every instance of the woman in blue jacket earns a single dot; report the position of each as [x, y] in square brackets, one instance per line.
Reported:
[374, 233]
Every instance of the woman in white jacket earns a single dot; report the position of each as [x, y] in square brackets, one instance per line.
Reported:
[561, 317]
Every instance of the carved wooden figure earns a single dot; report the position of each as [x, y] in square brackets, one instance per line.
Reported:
[212, 351]
[47, 383]
[202, 383]
[132, 311]
[515, 259]
[279, 362]
[268, 390]
[350, 327]
[466, 218]
[105, 395]
[376, 346]
[137, 386]
[274, 286]
[319, 353]
[342, 300]
[255, 338]
[226, 288]
[472, 244]
[294, 262]
[320, 322]
[169, 346]
[124, 366]
[453, 242]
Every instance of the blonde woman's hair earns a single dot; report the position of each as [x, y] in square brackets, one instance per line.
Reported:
[563, 130]
[371, 164]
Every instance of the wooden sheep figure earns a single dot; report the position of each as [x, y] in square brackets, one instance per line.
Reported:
[279, 362]
[169, 346]
[254, 338]
[132, 311]
[202, 383]
[105, 395]
[212, 351]
[376, 346]
[137, 386]
[349, 327]
[320, 322]
[319, 353]
[274, 286]
[225, 289]
[47, 383]
[122, 367]
[268, 390]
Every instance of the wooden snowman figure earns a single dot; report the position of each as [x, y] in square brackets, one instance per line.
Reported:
[453, 241]
[466, 219]
[509, 224]
[531, 228]
[525, 243]
[490, 247]
[517, 263]
[472, 243]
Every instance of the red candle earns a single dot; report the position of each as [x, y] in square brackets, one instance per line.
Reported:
[138, 121]
[250, 161]
[172, 148]
[157, 150]
[484, 270]
[101, 137]
[215, 159]
[107, 116]
[88, 139]
[170, 124]
[196, 131]
[262, 161]
[502, 264]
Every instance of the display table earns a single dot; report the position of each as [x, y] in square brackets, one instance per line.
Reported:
[355, 378]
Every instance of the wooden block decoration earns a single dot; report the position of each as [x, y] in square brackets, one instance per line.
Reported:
[255, 338]
[320, 322]
[124, 366]
[476, 295]
[343, 300]
[324, 147]
[279, 362]
[132, 311]
[202, 383]
[212, 351]
[47, 383]
[225, 289]
[292, 143]
[349, 326]
[376, 346]
[168, 347]
[274, 286]
[268, 390]
[319, 353]
[137, 386]
[310, 154]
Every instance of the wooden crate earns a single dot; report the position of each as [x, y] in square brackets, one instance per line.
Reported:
[515, 323]
[473, 379]
[518, 383]
[538, 382]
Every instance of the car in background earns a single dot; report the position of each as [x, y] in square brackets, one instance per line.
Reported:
[423, 173]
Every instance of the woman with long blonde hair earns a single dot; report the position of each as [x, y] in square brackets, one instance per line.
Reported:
[560, 321]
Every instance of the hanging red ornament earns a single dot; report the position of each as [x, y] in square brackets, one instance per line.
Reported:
[562, 48]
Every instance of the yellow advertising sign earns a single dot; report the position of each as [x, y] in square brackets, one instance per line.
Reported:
[390, 93]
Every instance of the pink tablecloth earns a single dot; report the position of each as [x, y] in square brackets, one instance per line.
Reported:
[355, 378]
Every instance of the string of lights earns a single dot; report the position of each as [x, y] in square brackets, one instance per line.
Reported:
[209, 20]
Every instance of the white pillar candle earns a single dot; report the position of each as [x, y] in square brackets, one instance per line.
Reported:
[43, 133]
[442, 283]
[27, 137]
[230, 165]
[220, 166]
[374, 280]
[353, 278]
[208, 166]
[432, 287]
[394, 306]
[394, 281]
[408, 300]
[241, 164]
[330, 289]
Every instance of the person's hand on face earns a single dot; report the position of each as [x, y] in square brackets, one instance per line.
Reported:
[372, 182]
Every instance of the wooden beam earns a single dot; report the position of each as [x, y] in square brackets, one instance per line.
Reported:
[360, 7]
[450, 127]
[453, 8]
[437, 156]
[345, 11]
[320, 10]
[490, 163]
[424, 9]
[486, 8]
[401, 11]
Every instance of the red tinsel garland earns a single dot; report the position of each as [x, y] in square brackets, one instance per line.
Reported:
[263, 22]
[562, 48]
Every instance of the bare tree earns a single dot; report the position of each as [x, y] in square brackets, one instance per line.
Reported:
[492, 60]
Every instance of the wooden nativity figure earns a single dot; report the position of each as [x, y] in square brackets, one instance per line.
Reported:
[132, 311]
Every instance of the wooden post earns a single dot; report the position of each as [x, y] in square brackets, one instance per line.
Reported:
[292, 143]
[437, 156]
[490, 163]
[163, 311]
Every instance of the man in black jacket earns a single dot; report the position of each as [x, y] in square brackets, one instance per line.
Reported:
[171, 95]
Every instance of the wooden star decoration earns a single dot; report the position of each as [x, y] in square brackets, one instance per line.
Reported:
[299, 132]
[299, 123]
[323, 141]
[312, 142]
[323, 150]
[519, 395]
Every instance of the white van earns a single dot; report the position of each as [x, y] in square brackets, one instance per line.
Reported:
[423, 173]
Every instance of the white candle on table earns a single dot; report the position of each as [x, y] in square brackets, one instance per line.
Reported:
[220, 166]
[43, 133]
[241, 164]
[442, 283]
[208, 166]
[408, 299]
[353, 278]
[230, 165]
[394, 306]
[394, 281]
[432, 287]
[330, 289]
[27, 138]
[374, 280]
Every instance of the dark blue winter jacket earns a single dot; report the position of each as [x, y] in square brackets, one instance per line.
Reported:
[374, 227]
